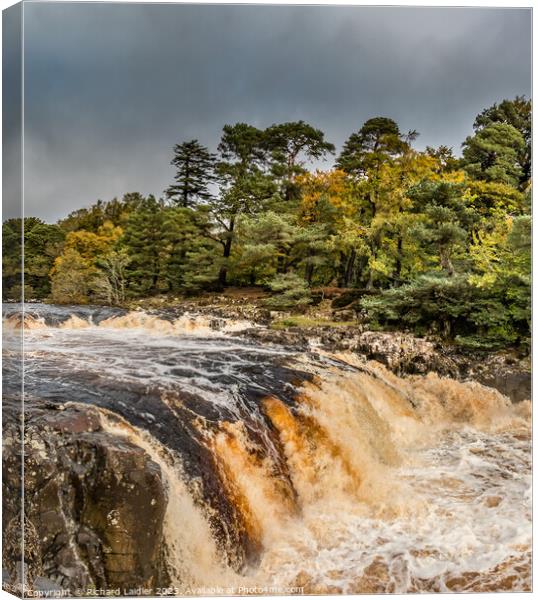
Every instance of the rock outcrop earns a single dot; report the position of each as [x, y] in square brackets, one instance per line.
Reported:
[87, 492]
[405, 354]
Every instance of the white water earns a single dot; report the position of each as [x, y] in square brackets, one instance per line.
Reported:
[392, 495]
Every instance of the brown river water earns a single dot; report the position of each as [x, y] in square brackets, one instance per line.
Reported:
[343, 478]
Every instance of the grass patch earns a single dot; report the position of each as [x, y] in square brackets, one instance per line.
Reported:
[302, 321]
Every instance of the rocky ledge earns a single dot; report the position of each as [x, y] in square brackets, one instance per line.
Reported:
[86, 494]
[406, 354]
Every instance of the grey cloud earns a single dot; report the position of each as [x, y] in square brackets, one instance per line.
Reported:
[110, 88]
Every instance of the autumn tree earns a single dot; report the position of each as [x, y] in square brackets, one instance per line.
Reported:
[376, 145]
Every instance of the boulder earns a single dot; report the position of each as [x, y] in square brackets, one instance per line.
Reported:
[87, 492]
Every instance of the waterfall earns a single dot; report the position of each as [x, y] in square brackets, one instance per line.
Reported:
[289, 470]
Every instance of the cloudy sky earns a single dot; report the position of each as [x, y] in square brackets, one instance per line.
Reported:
[110, 88]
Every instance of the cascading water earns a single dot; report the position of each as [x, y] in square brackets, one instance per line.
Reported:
[298, 471]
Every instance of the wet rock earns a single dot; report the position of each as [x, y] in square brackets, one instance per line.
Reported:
[503, 371]
[405, 354]
[87, 492]
[293, 337]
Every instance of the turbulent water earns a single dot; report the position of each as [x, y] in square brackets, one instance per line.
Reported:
[298, 472]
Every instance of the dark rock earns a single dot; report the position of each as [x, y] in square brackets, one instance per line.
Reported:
[86, 494]
[503, 371]
[344, 315]
[405, 354]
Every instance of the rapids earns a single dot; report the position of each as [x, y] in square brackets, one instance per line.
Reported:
[294, 471]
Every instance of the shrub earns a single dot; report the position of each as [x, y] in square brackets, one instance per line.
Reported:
[291, 292]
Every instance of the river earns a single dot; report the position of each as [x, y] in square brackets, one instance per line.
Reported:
[296, 471]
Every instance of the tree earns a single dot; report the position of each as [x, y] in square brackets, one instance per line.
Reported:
[244, 184]
[110, 283]
[72, 278]
[517, 113]
[447, 219]
[450, 307]
[290, 145]
[330, 199]
[185, 234]
[81, 252]
[273, 243]
[492, 154]
[292, 292]
[501, 260]
[42, 243]
[195, 172]
[12, 232]
[379, 140]
[144, 243]
[90, 219]
[446, 161]
[376, 145]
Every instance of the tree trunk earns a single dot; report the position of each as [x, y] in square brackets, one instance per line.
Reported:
[399, 256]
[226, 254]
[374, 247]
[349, 267]
[309, 272]
[341, 271]
[446, 263]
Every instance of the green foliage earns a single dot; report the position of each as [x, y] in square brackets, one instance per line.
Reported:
[449, 307]
[492, 154]
[195, 172]
[90, 219]
[378, 141]
[290, 145]
[42, 243]
[518, 114]
[291, 292]
[446, 218]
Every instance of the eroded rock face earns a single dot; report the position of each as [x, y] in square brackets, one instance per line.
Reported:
[87, 492]
[405, 354]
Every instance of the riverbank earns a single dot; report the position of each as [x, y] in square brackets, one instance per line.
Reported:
[335, 328]
[330, 327]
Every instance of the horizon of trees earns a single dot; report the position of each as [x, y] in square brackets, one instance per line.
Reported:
[429, 242]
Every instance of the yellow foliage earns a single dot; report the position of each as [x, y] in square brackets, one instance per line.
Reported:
[490, 197]
[334, 187]
[486, 250]
[89, 245]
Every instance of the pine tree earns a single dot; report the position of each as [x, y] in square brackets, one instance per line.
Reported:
[290, 146]
[195, 172]
[492, 154]
[244, 183]
[516, 112]
[144, 240]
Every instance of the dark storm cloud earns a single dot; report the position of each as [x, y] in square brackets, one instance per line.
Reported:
[111, 88]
